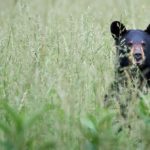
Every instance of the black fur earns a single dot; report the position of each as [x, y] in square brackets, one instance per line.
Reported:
[132, 62]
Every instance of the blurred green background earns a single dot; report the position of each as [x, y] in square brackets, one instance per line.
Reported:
[56, 64]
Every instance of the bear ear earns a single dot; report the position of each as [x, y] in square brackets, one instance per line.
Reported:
[117, 29]
[148, 29]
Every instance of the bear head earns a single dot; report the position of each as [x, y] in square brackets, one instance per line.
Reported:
[133, 46]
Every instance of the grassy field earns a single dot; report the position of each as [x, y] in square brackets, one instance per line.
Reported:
[56, 64]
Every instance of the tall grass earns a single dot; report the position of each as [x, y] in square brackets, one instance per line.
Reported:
[56, 64]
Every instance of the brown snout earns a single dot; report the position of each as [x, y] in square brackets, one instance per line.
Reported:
[138, 53]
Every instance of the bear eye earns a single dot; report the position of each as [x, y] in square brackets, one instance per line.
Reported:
[143, 43]
[130, 43]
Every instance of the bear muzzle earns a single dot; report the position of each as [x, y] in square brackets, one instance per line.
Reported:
[137, 53]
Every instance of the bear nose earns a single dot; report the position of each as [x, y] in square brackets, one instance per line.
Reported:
[138, 56]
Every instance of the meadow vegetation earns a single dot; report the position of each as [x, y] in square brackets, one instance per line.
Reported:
[57, 62]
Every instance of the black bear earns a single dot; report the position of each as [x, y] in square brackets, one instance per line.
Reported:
[133, 47]
[133, 61]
